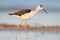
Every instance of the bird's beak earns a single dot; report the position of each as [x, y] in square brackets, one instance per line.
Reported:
[45, 10]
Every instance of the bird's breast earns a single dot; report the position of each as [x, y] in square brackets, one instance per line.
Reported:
[28, 15]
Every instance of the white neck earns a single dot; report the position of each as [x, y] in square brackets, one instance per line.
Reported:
[36, 10]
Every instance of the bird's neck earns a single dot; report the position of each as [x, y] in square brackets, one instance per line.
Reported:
[36, 10]
[33, 12]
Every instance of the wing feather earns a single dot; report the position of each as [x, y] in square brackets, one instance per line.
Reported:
[21, 12]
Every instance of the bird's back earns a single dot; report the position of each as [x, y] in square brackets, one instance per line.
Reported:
[22, 12]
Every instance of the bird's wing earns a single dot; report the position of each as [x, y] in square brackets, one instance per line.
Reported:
[21, 12]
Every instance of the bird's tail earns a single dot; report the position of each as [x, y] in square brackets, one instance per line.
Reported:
[10, 14]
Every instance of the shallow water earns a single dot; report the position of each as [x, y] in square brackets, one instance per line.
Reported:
[32, 35]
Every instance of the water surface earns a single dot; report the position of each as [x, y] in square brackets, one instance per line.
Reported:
[32, 35]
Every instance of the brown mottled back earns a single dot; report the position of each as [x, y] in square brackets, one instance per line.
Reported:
[21, 12]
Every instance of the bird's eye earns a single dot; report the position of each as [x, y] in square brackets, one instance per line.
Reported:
[41, 6]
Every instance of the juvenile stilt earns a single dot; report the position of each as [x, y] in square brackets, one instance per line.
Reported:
[26, 14]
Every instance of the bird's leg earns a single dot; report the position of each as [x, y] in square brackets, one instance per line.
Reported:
[17, 30]
[26, 30]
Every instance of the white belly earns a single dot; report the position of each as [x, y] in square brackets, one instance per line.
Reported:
[25, 16]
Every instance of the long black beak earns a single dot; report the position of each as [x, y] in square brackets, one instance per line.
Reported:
[45, 10]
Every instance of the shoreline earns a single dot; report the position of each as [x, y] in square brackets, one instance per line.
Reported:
[32, 28]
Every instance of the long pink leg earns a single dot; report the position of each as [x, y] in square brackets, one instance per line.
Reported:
[26, 30]
[17, 30]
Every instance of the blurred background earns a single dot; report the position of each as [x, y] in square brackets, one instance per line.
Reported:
[41, 19]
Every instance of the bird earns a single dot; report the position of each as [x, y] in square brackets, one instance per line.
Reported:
[26, 14]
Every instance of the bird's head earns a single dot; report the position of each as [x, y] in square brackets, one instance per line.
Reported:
[41, 7]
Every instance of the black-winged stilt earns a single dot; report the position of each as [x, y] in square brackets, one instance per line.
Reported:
[26, 14]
